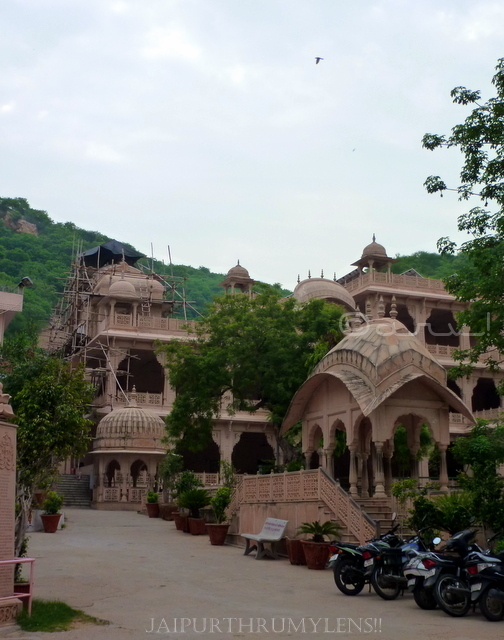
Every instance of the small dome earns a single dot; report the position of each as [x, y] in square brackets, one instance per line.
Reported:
[156, 289]
[326, 289]
[122, 289]
[130, 427]
[238, 271]
[374, 249]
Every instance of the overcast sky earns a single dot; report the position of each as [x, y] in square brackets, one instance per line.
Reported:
[207, 126]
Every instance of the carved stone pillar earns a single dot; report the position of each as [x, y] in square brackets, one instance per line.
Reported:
[443, 470]
[387, 469]
[307, 456]
[11, 607]
[414, 471]
[327, 460]
[364, 475]
[379, 477]
[353, 472]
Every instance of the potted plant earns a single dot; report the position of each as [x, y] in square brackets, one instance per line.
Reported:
[295, 551]
[316, 549]
[186, 481]
[51, 516]
[217, 531]
[168, 470]
[152, 504]
[194, 500]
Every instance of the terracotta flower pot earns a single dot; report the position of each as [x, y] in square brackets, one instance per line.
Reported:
[152, 509]
[167, 510]
[217, 533]
[177, 519]
[197, 526]
[184, 519]
[295, 551]
[50, 522]
[316, 554]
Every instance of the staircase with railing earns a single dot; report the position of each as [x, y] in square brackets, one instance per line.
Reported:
[292, 489]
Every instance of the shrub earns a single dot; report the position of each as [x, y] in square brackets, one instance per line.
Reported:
[220, 502]
[52, 504]
[319, 530]
[152, 497]
[194, 500]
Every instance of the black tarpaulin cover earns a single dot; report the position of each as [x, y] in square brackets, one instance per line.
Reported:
[111, 251]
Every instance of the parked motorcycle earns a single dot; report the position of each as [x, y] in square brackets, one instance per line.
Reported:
[353, 564]
[485, 574]
[389, 575]
[445, 575]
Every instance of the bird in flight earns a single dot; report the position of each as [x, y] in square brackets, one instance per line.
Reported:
[317, 60]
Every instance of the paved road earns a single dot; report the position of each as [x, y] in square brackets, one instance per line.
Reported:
[145, 577]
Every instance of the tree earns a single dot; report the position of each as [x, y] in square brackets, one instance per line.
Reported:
[483, 452]
[480, 280]
[49, 399]
[247, 354]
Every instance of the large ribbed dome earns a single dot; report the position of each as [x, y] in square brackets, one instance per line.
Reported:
[130, 428]
[122, 289]
[326, 289]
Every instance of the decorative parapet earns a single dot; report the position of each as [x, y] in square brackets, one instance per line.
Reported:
[395, 281]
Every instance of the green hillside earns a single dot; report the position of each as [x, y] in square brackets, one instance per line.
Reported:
[32, 245]
[46, 259]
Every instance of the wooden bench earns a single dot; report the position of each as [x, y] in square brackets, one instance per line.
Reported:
[271, 533]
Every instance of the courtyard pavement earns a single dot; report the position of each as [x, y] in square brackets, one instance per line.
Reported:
[151, 581]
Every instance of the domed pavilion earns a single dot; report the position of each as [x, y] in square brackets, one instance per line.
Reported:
[127, 449]
[378, 377]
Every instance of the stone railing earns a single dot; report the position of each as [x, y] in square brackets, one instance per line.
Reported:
[485, 414]
[155, 399]
[395, 281]
[126, 320]
[441, 350]
[305, 486]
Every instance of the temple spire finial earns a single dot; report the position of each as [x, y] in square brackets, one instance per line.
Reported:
[299, 279]
[374, 238]
[309, 274]
[322, 273]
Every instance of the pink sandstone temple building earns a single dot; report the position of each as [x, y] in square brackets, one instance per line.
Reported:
[390, 369]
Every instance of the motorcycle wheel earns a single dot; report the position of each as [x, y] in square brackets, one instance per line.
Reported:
[491, 608]
[456, 606]
[385, 592]
[346, 583]
[424, 598]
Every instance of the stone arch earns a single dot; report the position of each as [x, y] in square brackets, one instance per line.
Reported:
[485, 395]
[135, 469]
[315, 434]
[403, 315]
[441, 328]
[142, 370]
[205, 460]
[110, 472]
[251, 451]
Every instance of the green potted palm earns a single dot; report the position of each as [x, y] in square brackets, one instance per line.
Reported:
[51, 515]
[152, 504]
[194, 500]
[217, 531]
[187, 480]
[316, 548]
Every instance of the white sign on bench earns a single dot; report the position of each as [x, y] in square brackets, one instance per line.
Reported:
[271, 533]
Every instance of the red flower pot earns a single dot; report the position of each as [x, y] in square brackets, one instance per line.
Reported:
[152, 509]
[217, 533]
[185, 523]
[295, 551]
[316, 554]
[197, 526]
[177, 519]
[50, 522]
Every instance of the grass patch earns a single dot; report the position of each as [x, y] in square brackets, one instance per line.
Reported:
[54, 615]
